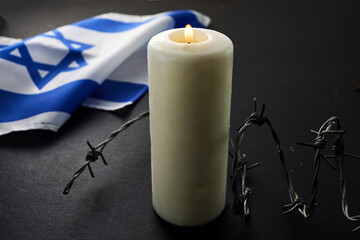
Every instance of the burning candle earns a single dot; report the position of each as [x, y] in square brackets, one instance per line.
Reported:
[190, 74]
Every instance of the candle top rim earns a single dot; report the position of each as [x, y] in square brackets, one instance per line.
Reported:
[216, 42]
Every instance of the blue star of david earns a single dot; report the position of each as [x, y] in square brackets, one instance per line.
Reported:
[42, 73]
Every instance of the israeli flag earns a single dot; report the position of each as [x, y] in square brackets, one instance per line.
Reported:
[98, 62]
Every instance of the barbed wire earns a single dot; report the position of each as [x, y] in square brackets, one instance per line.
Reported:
[239, 164]
[96, 152]
[240, 204]
[338, 149]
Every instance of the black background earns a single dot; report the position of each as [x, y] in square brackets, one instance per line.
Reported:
[300, 58]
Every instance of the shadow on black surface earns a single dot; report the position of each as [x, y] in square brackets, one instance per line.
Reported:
[220, 228]
[29, 138]
[2, 23]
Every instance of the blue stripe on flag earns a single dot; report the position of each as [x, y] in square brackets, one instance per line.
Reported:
[67, 98]
[119, 91]
[183, 17]
[107, 25]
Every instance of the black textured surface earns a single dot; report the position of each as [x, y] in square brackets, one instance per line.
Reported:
[301, 58]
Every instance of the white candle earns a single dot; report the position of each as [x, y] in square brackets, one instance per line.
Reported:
[190, 96]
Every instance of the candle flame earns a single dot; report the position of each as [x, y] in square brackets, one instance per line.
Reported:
[188, 33]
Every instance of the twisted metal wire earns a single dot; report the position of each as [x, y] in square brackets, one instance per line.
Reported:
[240, 204]
[338, 148]
[320, 143]
[96, 152]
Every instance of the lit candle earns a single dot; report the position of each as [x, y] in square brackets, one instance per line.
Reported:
[190, 74]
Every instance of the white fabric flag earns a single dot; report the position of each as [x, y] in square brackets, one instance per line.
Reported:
[98, 62]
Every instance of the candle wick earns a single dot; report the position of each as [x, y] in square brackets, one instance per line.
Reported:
[188, 42]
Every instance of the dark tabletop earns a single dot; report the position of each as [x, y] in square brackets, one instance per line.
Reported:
[300, 58]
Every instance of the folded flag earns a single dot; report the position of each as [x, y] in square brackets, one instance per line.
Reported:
[98, 62]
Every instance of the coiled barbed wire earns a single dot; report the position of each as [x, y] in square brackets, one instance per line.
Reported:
[96, 152]
[338, 148]
[240, 204]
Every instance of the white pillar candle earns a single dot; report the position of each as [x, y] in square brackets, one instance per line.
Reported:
[190, 96]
